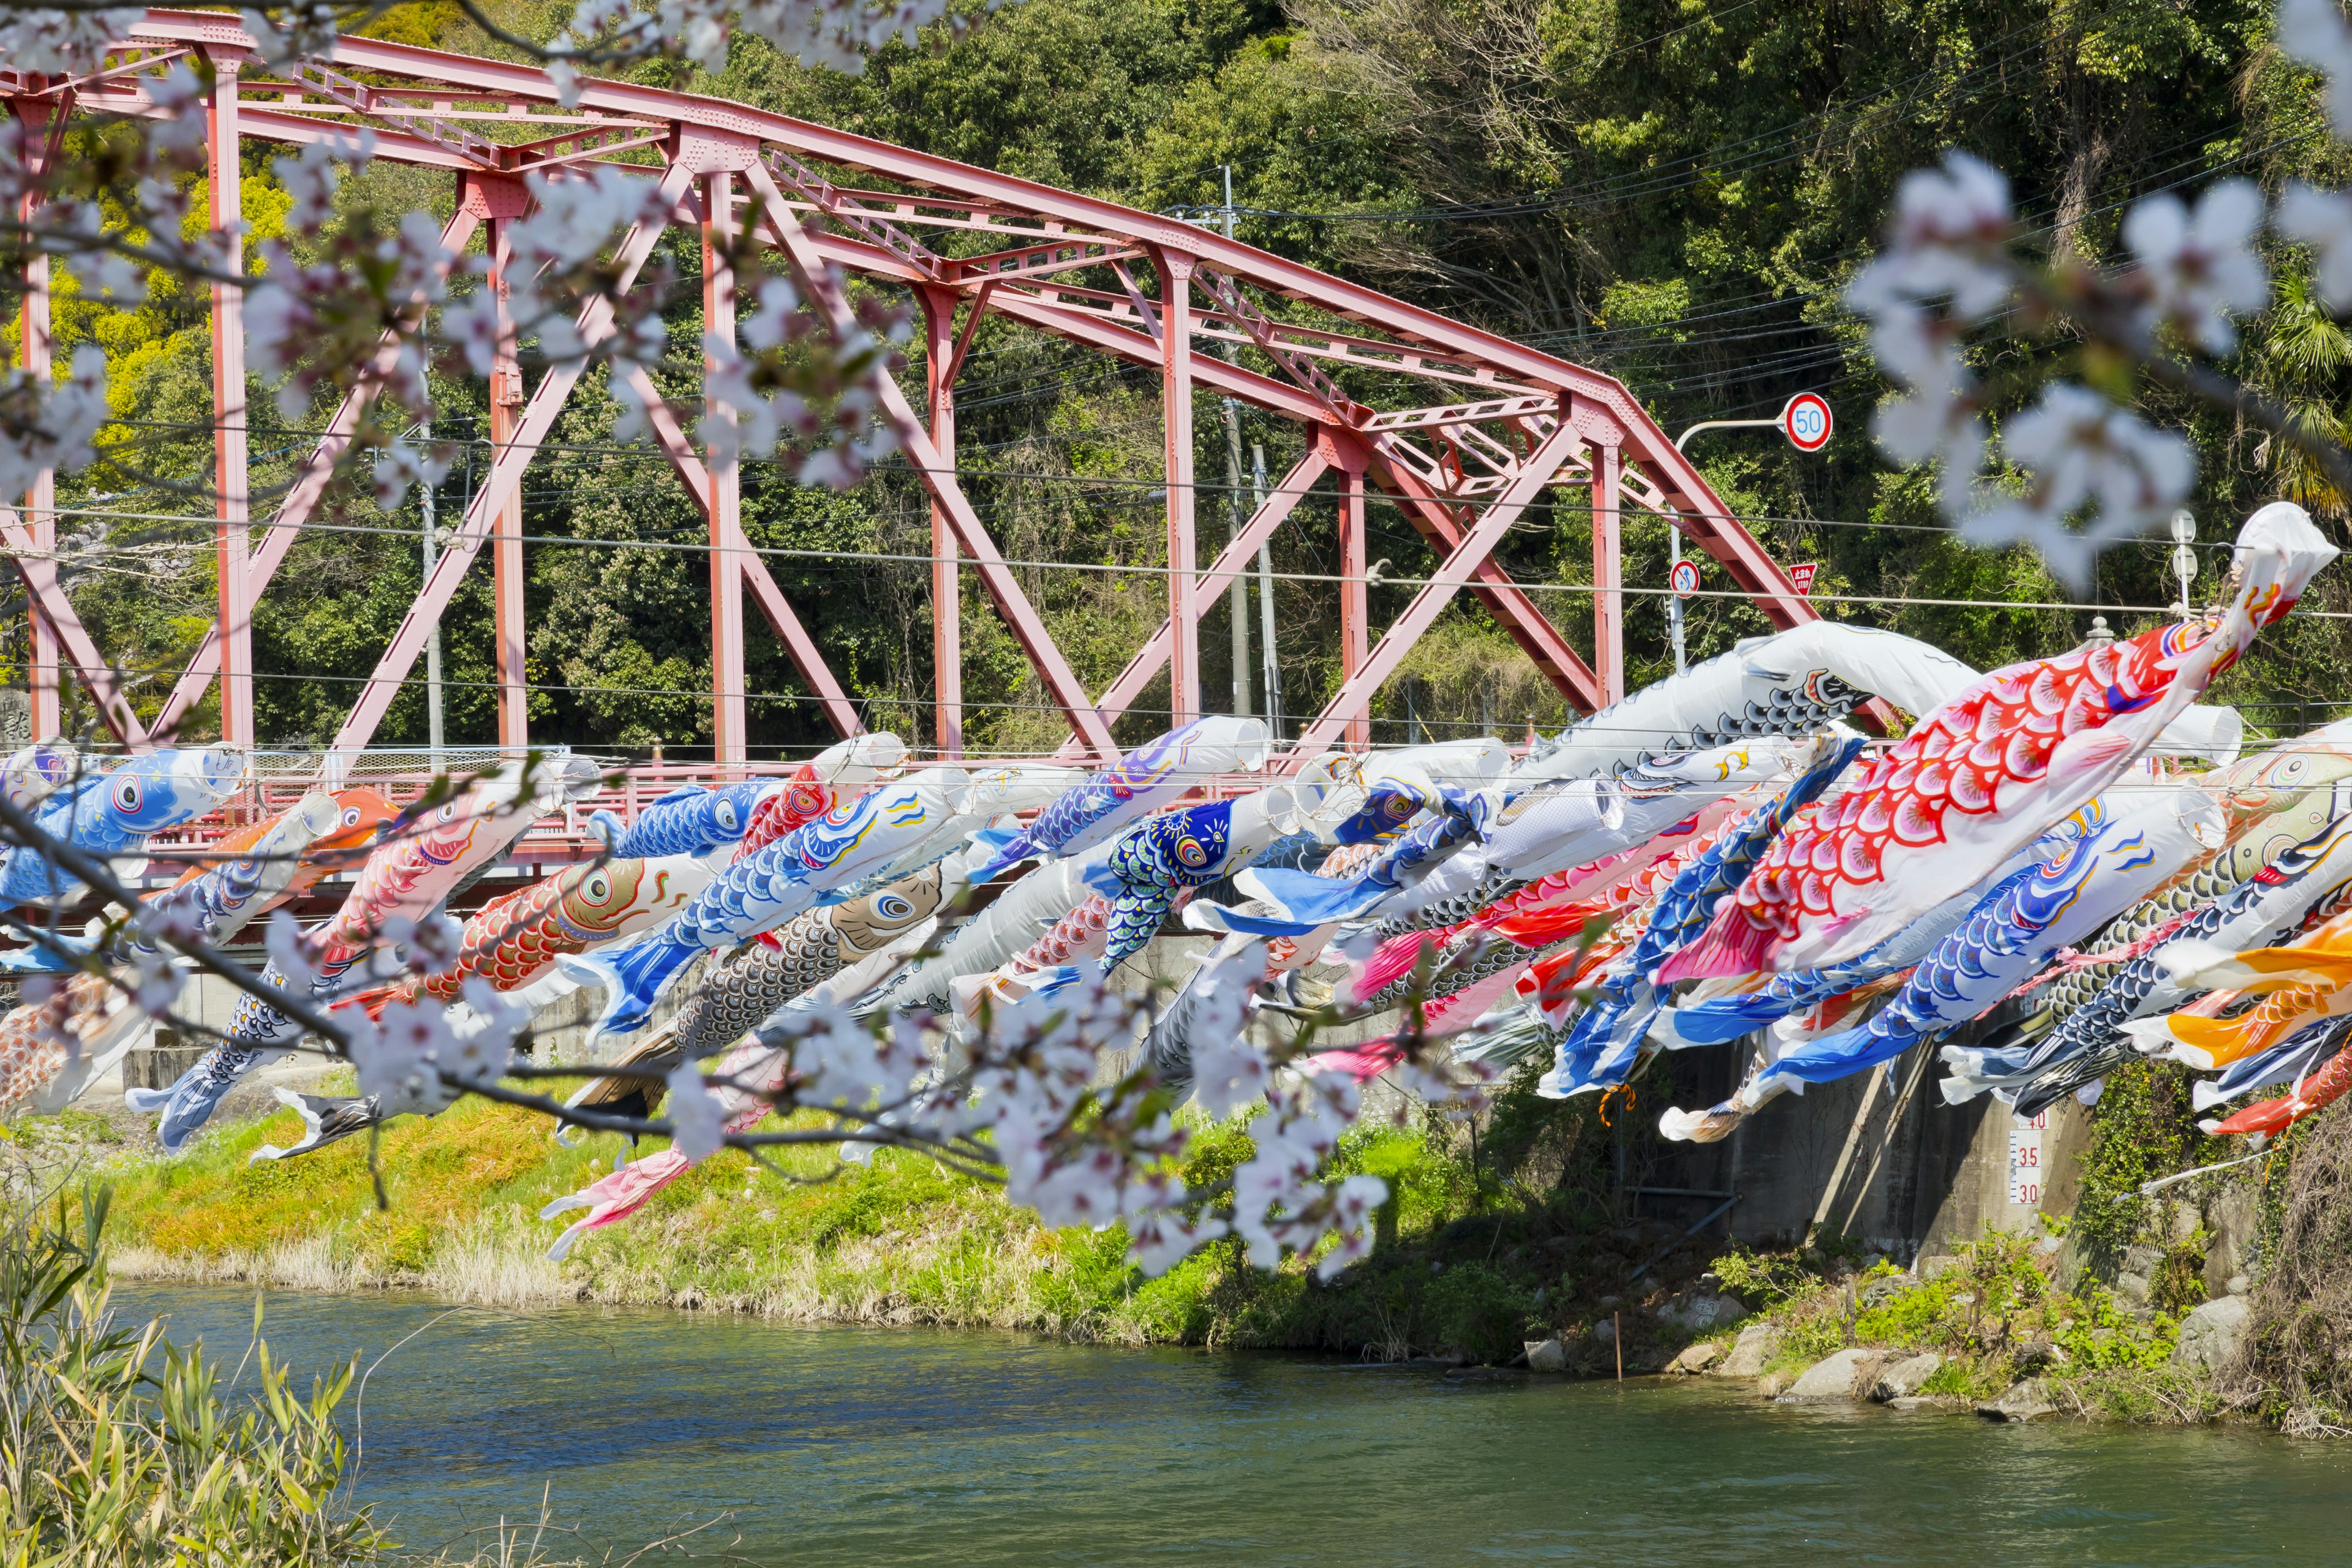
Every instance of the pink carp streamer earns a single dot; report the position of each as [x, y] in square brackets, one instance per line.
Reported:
[1084, 932]
[751, 1070]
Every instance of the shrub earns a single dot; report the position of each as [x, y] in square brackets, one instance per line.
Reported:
[1480, 1312]
[110, 1457]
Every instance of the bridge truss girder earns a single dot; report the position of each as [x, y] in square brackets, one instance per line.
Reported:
[1459, 471]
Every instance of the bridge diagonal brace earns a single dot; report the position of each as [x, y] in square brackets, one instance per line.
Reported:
[801, 647]
[1229, 298]
[359, 99]
[498, 492]
[1355, 694]
[308, 489]
[784, 169]
[39, 572]
[1232, 562]
[1494, 587]
[1028, 628]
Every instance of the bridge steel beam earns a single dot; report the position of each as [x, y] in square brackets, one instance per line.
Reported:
[1501, 421]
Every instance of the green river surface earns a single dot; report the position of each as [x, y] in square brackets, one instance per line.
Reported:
[825, 1446]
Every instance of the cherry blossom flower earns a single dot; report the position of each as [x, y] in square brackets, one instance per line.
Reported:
[2201, 267]
[311, 175]
[2080, 450]
[432, 945]
[63, 43]
[396, 1055]
[155, 983]
[2322, 220]
[289, 953]
[698, 1121]
[1948, 241]
[1229, 1070]
[45, 425]
[2316, 33]
[400, 467]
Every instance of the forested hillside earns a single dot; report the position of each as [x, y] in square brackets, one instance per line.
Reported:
[1670, 192]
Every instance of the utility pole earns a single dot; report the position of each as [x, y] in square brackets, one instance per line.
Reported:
[433, 639]
[1240, 595]
[1265, 602]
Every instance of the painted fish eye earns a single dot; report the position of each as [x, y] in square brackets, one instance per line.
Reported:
[351, 817]
[891, 907]
[726, 814]
[127, 794]
[599, 886]
[448, 812]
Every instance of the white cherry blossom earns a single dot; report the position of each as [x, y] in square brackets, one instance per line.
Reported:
[290, 952]
[2082, 450]
[396, 1055]
[2322, 220]
[45, 425]
[2316, 33]
[64, 43]
[698, 1121]
[2199, 266]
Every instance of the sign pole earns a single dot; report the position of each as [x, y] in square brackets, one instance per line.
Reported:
[1806, 421]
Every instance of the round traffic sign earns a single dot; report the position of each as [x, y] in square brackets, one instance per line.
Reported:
[1684, 579]
[1806, 422]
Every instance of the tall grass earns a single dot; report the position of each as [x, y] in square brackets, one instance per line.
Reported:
[117, 1447]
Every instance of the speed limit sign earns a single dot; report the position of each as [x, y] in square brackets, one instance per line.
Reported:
[1684, 579]
[1806, 422]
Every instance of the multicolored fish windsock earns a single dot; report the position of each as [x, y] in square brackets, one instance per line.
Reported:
[1983, 775]
[688, 820]
[1150, 776]
[800, 870]
[406, 876]
[114, 813]
[2009, 934]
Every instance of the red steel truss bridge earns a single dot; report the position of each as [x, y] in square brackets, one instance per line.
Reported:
[1485, 427]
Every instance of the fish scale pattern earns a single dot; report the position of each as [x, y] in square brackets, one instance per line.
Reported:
[1979, 755]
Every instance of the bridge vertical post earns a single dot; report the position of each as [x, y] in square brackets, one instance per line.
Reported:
[730, 744]
[507, 633]
[231, 481]
[947, 624]
[1176, 394]
[1606, 438]
[1354, 592]
[34, 353]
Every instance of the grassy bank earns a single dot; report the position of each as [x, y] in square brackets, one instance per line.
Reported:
[1994, 1311]
[1486, 1244]
[1482, 1245]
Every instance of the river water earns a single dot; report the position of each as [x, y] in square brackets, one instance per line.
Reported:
[858, 1447]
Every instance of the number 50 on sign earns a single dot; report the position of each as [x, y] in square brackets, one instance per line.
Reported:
[1805, 420]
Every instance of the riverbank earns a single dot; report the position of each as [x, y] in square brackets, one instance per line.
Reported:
[1471, 1265]
[1494, 1251]
[1988, 1330]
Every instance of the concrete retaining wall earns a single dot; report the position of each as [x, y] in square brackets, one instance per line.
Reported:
[1921, 1173]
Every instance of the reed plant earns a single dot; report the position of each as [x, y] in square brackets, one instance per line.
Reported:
[118, 1447]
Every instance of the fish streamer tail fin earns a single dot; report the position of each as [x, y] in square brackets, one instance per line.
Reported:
[1731, 944]
[1726, 1018]
[634, 980]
